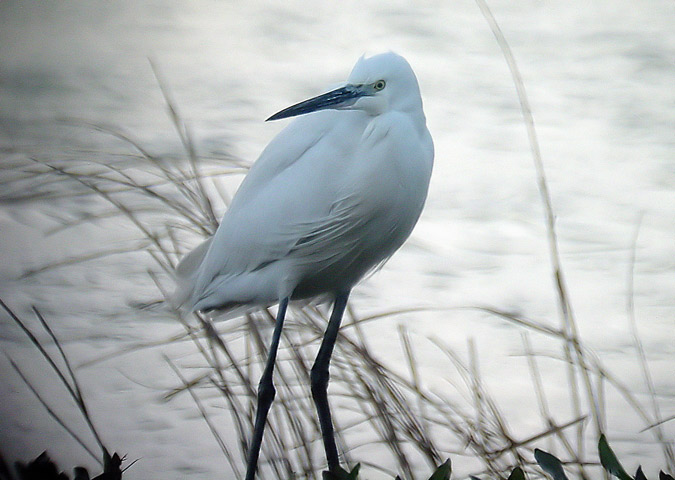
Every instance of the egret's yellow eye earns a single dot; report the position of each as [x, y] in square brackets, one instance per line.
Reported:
[379, 85]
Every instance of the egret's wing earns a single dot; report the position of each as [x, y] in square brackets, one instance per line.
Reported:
[326, 239]
[351, 234]
[288, 147]
[291, 184]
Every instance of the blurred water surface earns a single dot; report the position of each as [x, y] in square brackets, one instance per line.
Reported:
[600, 78]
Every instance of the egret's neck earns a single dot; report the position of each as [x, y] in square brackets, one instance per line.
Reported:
[414, 111]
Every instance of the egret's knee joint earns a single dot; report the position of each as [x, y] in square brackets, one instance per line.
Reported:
[266, 392]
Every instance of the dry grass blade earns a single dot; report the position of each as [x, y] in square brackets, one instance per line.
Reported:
[71, 385]
[127, 211]
[521, 321]
[80, 399]
[189, 387]
[150, 191]
[661, 422]
[424, 426]
[571, 348]
[188, 144]
[642, 358]
[179, 337]
[544, 408]
[82, 258]
[52, 413]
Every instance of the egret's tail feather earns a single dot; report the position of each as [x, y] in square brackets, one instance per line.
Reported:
[185, 276]
[191, 262]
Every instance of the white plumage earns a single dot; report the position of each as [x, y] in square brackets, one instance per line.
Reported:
[332, 197]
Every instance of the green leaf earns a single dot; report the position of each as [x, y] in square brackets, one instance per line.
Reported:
[609, 461]
[342, 474]
[517, 474]
[550, 464]
[639, 474]
[443, 471]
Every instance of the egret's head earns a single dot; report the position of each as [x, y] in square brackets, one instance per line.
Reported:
[377, 84]
[387, 82]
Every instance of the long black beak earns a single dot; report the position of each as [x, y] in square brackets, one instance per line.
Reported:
[341, 97]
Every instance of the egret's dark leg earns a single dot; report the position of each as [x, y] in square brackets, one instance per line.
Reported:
[320, 376]
[266, 392]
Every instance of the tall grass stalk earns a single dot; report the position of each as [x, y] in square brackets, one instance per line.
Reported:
[575, 355]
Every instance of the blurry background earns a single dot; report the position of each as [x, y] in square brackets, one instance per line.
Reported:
[600, 79]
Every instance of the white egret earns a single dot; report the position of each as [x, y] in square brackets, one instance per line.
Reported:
[330, 199]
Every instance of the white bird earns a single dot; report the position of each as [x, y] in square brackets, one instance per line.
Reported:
[330, 199]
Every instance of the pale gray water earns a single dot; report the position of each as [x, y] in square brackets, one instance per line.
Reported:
[600, 79]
